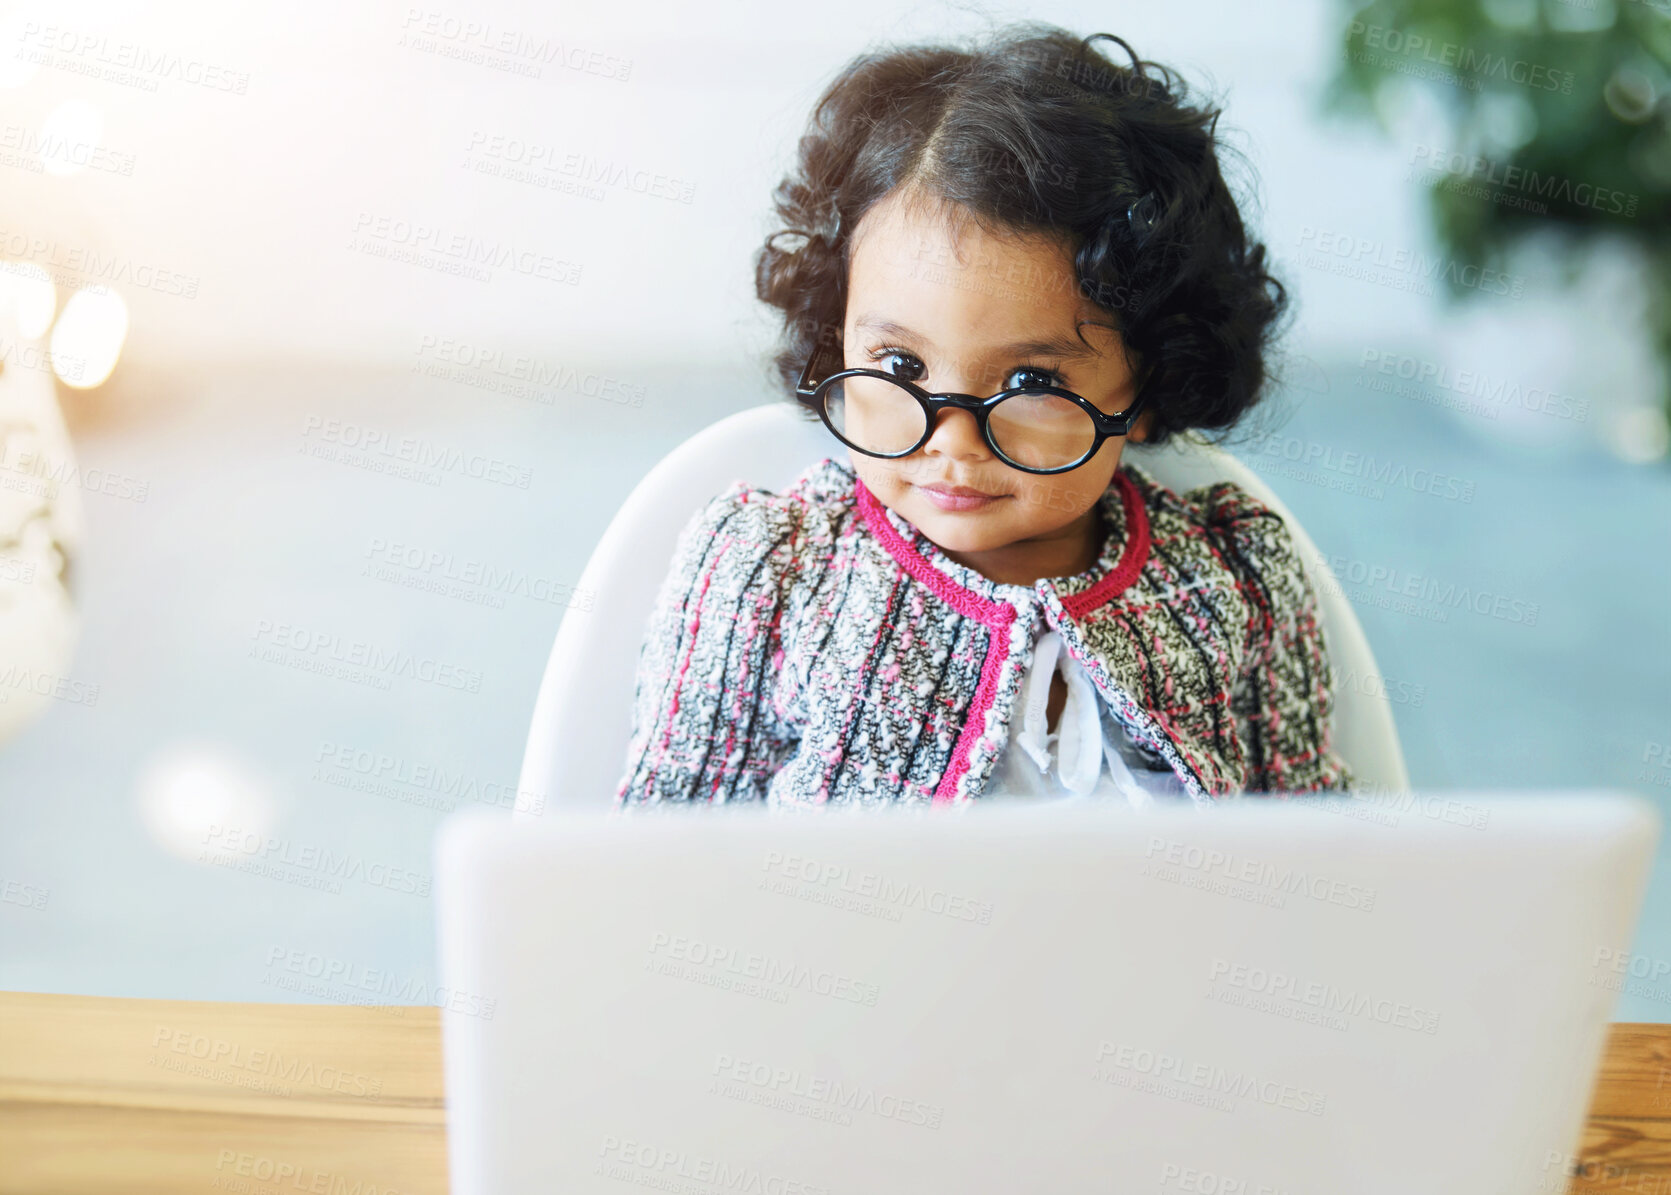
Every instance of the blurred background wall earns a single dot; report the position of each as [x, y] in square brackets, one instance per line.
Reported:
[352, 325]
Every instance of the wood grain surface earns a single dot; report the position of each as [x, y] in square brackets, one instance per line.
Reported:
[191, 1098]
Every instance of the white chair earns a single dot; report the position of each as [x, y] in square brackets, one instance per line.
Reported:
[583, 716]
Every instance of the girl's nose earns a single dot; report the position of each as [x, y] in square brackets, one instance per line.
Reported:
[956, 434]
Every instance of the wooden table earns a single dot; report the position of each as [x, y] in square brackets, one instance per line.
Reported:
[101, 1095]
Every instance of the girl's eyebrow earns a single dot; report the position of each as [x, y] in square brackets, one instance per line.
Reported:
[1061, 346]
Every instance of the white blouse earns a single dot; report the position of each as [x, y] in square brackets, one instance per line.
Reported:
[1087, 736]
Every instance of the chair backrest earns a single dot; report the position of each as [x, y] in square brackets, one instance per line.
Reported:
[583, 716]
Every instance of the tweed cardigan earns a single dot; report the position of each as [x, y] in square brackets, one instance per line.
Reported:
[814, 647]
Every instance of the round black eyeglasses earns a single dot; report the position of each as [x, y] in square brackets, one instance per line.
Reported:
[1036, 429]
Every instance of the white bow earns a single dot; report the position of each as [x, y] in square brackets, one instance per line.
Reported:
[1081, 745]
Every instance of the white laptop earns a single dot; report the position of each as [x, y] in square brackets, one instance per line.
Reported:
[1262, 997]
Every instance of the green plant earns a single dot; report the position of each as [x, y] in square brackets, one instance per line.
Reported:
[1559, 119]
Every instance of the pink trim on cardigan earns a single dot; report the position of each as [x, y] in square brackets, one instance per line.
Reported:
[1132, 559]
[985, 693]
[691, 628]
[997, 617]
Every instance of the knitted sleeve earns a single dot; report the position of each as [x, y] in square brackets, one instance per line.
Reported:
[1284, 700]
[706, 724]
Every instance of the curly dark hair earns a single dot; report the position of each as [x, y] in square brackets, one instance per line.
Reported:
[1035, 131]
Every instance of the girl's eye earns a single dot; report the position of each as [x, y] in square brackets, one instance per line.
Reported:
[911, 370]
[1028, 376]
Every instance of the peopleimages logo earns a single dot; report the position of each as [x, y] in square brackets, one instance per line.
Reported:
[544, 379]
[737, 1078]
[225, 1058]
[122, 61]
[1324, 997]
[31, 149]
[475, 41]
[525, 161]
[1656, 764]
[1288, 881]
[463, 248]
[1637, 965]
[325, 437]
[1470, 65]
[388, 559]
[263, 1169]
[1476, 168]
[17, 679]
[1365, 466]
[646, 1164]
[362, 768]
[1174, 1177]
[74, 266]
[297, 646]
[1373, 684]
[1357, 256]
[55, 471]
[784, 974]
[1215, 1080]
[1474, 384]
[399, 989]
[875, 886]
[1447, 595]
[261, 854]
[30, 896]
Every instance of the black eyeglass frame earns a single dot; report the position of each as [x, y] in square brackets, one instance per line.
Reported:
[1107, 426]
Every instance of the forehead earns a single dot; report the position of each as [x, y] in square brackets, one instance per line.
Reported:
[925, 264]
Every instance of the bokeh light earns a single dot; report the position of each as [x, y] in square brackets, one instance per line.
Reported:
[27, 290]
[88, 337]
[1639, 435]
[69, 136]
[16, 67]
[188, 790]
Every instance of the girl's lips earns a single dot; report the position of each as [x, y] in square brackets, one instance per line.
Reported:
[957, 497]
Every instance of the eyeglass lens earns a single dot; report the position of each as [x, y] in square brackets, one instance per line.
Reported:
[1037, 430]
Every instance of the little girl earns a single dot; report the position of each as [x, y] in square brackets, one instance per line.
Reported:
[1000, 266]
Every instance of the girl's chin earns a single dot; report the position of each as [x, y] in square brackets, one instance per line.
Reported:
[958, 532]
